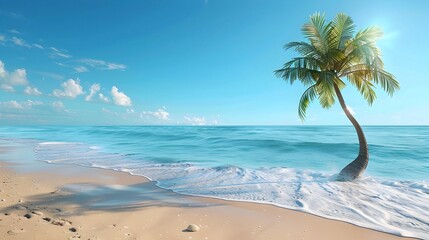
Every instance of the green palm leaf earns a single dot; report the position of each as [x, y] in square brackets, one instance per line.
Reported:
[306, 98]
[304, 49]
[342, 30]
[334, 52]
[366, 88]
[317, 32]
[325, 87]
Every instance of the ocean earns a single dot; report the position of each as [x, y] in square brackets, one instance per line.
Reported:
[287, 166]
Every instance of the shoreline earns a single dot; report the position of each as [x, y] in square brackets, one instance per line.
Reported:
[89, 196]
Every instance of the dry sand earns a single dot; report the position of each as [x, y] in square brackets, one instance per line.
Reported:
[52, 201]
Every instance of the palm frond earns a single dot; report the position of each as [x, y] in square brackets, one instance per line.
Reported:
[333, 58]
[365, 53]
[304, 49]
[338, 82]
[372, 73]
[303, 69]
[367, 91]
[342, 30]
[366, 37]
[325, 88]
[370, 34]
[306, 98]
[366, 88]
[361, 68]
[386, 80]
[291, 74]
[317, 31]
[304, 62]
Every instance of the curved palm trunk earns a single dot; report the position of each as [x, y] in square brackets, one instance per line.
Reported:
[354, 169]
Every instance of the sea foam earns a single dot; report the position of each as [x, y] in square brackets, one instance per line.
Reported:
[398, 207]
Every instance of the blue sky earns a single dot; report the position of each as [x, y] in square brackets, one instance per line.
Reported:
[191, 62]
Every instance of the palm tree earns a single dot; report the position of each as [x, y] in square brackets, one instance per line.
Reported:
[335, 53]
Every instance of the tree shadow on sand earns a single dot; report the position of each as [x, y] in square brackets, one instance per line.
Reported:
[90, 197]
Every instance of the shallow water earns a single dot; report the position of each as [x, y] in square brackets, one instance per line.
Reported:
[289, 166]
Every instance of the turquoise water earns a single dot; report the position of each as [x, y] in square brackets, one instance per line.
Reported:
[397, 152]
[288, 166]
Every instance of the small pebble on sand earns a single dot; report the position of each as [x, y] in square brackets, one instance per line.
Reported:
[192, 228]
[28, 216]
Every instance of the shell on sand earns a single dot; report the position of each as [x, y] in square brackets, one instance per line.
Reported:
[192, 228]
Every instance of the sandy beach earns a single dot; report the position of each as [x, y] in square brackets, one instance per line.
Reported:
[220, 120]
[54, 201]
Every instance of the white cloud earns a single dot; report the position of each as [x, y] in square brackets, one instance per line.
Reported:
[33, 103]
[81, 69]
[2, 38]
[351, 110]
[38, 46]
[57, 53]
[92, 91]
[200, 121]
[14, 31]
[20, 42]
[161, 114]
[103, 98]
[32, 91]
[195, 120]
[119, 98]
[58, 105]
[3, 72]
[71, 89]
[130, 111]
[20, 105]
[12, 104]
[7, 80]
[52, 75]
[101, 64]
[18, 77]
[7, 88]
[106, 110]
